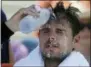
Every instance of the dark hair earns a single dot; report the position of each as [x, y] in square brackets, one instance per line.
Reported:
[88, 25]
[71, 15]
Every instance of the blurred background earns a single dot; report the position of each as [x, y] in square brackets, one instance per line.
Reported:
[11, 7]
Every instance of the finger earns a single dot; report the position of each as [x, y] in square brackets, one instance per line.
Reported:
[31, 11]
[27, 12]
[32, 8]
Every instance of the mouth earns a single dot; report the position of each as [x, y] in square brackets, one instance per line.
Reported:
[50, 49]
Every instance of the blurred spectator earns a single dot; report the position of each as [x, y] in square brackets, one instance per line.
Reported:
[5, 34]
[83, 41]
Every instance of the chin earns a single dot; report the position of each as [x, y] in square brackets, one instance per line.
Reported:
[50, 55]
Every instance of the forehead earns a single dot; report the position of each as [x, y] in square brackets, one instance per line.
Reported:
[62, 23]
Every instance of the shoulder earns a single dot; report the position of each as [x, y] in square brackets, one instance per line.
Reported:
[75, 59]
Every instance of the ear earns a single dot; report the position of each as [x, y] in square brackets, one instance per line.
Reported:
[76, 38]
[76, 42]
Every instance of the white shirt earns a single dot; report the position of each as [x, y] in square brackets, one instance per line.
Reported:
[35, 59]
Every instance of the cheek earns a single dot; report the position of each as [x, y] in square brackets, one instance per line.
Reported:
[42, 40]
[64, 43]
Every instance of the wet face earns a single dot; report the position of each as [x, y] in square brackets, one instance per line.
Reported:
[55, 39]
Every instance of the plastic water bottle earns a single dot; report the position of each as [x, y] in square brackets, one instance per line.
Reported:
[30, 23]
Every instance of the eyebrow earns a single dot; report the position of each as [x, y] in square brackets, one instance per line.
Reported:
[49, 26]
[45, 26]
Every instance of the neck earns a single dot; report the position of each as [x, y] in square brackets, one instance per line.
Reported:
[51, 62]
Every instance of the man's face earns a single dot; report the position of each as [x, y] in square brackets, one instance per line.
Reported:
[55, 39]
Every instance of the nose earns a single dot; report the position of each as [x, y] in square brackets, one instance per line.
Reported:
[52, 38]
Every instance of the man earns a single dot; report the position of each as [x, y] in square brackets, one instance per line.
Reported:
[56, 39]
[83, 41]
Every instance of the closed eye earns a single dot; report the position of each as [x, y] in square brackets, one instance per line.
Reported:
[60, 31]
[45, 30]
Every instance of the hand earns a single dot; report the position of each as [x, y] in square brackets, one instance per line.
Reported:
[13, 23]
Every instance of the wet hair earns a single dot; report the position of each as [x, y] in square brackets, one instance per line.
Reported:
[69, 13]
